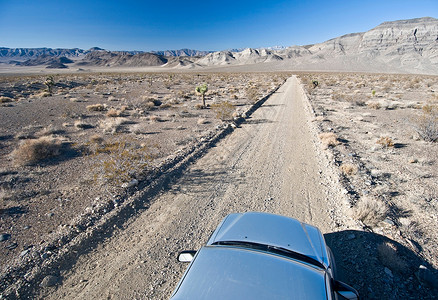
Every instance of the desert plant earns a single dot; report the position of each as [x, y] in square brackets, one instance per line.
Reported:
[4, 99]
[121, 161]
[329, 139]
[34, 150]
[373, 93]
[201, 90]
[370, 211]
[49, 83]
[373, 105]
[348, 169]
[113, 113]
[388, 256]
[224, 110]
[385, 142]
[96, 107]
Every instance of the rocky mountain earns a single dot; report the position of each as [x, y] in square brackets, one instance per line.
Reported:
[20, 54]
[397, 46]
[118, 59]
[182, 52]
[405, 45]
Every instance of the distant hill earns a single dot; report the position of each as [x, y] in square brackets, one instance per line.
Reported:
[396, 46]
[182, 52]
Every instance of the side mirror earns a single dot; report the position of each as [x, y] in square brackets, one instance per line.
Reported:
[186, 256]
[345, 291]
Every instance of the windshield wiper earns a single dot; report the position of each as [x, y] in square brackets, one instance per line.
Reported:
[272, 249]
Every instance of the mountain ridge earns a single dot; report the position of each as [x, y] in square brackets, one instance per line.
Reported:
[404, 45]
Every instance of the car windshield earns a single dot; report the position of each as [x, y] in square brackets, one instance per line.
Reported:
[272, 249]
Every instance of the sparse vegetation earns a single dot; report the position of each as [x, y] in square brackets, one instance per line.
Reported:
[370, 211]
[348, 169]
[121, 161]
[388, 256]
[96, 107]
[224, 110]
[35, 150]
[385, 142]
[201, 90]
[329, 139]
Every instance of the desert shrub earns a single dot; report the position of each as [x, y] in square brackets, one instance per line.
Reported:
[370, 211]
[252, 93]
[426, 125]
[224, 110]
[373, 105]
[385, 142]
[155, 119]
[388, 256]
[82, 125]
[113, 113]
[329, 139]
[96, 139]
[121, 161]
[34, 150]
[112, 125]
[96, 107]
[348, 169]
[4, 99]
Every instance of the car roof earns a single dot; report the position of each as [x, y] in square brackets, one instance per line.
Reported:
[223, 272]
[273, 230]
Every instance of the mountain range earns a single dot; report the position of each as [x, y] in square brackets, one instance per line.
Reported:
[397, 46]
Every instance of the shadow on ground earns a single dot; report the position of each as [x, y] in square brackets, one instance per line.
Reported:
[381, 268]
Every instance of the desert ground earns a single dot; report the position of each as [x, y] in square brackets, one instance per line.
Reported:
[106, 176]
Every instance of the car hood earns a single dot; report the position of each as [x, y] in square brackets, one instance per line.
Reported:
[273, 230]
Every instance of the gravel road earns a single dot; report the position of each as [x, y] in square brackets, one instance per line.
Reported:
[272, 163]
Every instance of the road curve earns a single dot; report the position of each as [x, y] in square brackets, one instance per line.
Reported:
[272, 163]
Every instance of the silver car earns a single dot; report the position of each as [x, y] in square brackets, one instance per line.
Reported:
[262, 256]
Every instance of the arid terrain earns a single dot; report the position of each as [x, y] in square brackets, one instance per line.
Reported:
[106, 176]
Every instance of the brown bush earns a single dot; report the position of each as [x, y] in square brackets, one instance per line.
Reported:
[35, 150]
[96, 107]
[348, 169]
[224, 110]
[113, 113]
[388, 256]
[385, 142]
[370, 211]
[329, 139]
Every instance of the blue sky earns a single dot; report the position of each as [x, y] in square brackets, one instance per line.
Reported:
[202, 25]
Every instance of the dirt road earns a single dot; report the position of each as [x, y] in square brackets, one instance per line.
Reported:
[271, 163]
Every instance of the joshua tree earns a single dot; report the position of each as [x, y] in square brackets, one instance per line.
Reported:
[202, 89]
[50, 82]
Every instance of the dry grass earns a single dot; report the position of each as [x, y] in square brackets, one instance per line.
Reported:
[35, 150]
[113, 113]
[374, 105]
[4, 99]
[329, 139]
[112, 125]
[370, 211]
[385, 142]
[426, 125]
[96, 107]
[82, 125]
[348, 169]
[224, 110]
[388, 256]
